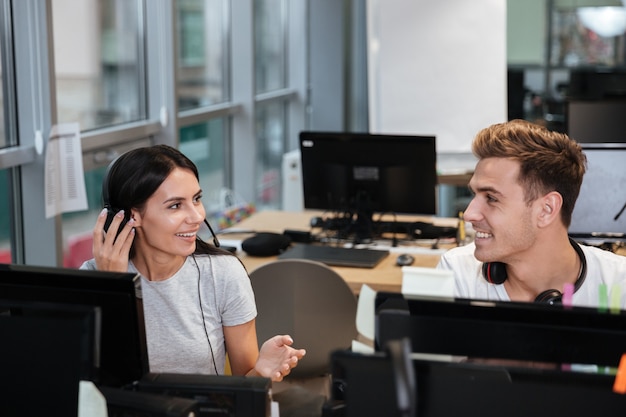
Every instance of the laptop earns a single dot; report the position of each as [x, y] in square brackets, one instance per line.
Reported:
[336, 255]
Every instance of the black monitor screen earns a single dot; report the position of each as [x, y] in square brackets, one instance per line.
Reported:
[123, 351]
[503, 330]
[46, 350]
[600, 212]
[367, 386]
[597, 121]
[367, 173]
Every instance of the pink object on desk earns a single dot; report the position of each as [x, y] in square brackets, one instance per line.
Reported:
[568, 295]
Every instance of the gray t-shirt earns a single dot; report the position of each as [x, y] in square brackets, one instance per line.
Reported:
[189, 308]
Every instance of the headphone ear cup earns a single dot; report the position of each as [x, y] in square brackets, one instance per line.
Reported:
[550, 297]
[111, 211]
[494, 272]
[105, 189]
[110, 215]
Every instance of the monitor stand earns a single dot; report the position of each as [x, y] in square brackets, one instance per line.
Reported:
[362, 227]
[356, 226]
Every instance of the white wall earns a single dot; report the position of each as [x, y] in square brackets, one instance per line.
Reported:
[80, 55]
[437, 67]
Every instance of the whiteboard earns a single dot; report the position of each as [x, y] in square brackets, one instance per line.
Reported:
[437, 67]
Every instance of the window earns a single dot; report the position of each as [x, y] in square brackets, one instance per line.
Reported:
[270, 70]
[188, 73]
[271, 122]
[588, 36]
[270, 45]
[202, 83]
[8, 137]
[202, 53]
[5, 219]
[204, 145]
[3, 134]
[98, 62]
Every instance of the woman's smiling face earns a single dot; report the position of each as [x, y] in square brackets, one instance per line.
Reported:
[171, 217]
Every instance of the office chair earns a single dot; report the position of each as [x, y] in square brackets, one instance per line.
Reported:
[309, 301]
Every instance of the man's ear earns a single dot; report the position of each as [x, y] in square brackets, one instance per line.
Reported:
[550, 209]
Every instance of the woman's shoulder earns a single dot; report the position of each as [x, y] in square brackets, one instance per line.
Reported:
[89, 264]
[217, 260]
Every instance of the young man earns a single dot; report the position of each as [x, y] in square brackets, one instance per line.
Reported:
[525, 186]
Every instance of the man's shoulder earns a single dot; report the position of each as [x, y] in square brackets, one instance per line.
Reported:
[602, 254]
[466, 251]
[605, 265]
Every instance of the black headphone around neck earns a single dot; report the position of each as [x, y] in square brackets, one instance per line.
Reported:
[495, 273]
[111, 210]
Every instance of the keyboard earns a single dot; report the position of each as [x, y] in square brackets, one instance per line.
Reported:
[336, 256]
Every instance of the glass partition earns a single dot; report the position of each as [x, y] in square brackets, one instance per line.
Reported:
[99, 66]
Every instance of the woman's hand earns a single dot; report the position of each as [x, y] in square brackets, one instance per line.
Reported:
[277, 358]
[109, 252]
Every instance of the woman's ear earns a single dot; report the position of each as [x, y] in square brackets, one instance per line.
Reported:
[136, 216]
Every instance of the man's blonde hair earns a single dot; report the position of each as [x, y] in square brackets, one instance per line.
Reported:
[549, 161]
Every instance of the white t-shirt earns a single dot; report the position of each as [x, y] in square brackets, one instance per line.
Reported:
[603, 267]
[184, 311]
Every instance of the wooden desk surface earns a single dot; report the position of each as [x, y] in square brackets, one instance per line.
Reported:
[386, 276]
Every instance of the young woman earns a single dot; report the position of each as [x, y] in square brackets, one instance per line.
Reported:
[197, 299]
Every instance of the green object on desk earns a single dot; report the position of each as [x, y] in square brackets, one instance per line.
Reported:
[616, 295]
[603, 298]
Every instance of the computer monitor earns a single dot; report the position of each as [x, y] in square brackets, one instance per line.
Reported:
[362, 174]
[365, 385]
[46, 349]
[499, 330]
[123, 350]
[600, 211]
[597, 121]
[125, 403]
[217, 395]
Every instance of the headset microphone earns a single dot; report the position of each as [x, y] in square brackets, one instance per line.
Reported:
[215, 241]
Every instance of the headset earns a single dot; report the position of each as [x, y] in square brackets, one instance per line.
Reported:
[106, 201]
[112, 211]
[495, 273]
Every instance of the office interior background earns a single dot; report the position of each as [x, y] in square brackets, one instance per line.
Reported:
[230, 83]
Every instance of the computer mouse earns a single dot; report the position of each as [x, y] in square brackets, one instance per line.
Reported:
[404, 259]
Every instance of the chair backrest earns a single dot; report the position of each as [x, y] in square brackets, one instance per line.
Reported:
[309, 301]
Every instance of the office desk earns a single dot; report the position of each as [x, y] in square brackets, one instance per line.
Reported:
[386, 276]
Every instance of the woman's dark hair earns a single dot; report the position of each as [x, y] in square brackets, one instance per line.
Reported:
[135, 175]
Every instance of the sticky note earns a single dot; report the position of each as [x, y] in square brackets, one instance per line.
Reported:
[619, 385]
[603, 298]
[616, 297]
[568, 294]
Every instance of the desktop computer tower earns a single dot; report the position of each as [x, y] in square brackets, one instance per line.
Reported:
[293, 199]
